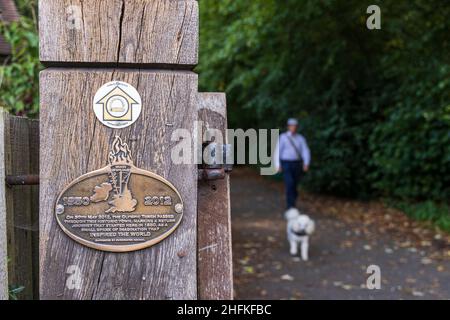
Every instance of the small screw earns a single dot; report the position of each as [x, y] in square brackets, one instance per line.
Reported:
[59, 209]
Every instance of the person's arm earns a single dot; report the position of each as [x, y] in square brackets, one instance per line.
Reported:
[306, 154]
[276, 155]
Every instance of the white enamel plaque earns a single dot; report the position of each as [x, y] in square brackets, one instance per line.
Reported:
[117, 104]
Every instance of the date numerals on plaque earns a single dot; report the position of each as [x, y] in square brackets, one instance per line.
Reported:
[157, 201]
[149, 201]
[76, 201]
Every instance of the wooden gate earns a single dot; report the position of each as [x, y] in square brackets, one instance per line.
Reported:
[19, 205]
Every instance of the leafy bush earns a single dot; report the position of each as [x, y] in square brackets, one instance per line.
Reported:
[14, 292]
[428, 211]
[341, 163]
[19, 77]
[411, 151]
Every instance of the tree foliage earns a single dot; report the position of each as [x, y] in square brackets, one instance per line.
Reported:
[19, 76]
[374, 104]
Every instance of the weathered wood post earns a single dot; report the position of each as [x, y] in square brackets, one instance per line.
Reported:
[117, 217]
[214, 217]
[3, 236]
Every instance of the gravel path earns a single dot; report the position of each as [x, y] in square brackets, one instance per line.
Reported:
[414, 257]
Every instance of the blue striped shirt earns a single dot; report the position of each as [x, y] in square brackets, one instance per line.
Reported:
[286, 151]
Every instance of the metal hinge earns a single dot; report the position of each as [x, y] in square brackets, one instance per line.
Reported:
[218, 161]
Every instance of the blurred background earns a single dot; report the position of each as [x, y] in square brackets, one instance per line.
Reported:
[374, 106]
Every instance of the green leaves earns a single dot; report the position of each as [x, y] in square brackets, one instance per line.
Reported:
[428, 211]
[20, 74]
[15, 291]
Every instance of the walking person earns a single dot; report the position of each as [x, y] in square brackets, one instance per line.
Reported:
[292, 156]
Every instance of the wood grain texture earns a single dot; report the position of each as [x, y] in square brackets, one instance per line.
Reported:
[119, 32]
[215, 272]
[21, 141]
[3, 236]
[74, 142]
[34, 169]
[8, 13]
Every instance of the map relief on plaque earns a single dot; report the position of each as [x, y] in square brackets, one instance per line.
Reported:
[120, 207]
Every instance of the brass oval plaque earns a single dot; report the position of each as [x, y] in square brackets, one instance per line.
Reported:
[120, 207]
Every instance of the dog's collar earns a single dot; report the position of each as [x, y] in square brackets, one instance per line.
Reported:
[300, 234]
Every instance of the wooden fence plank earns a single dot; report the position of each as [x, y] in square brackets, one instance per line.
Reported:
[124, 32]
[21, 151]
[215, 272]
[3, 236]
[74, 142]
[22, 225]
[34, 169]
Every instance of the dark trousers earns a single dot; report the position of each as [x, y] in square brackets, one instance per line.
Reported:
[291, 175]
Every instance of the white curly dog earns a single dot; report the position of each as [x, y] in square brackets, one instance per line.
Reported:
[299, 228]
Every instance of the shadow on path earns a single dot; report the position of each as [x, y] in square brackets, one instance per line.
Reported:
[350, 235]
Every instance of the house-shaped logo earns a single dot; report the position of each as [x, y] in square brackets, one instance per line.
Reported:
[117, 105]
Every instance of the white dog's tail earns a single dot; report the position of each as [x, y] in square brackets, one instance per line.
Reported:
[291, 214]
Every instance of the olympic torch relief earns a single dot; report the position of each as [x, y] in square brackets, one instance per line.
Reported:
[120, 163]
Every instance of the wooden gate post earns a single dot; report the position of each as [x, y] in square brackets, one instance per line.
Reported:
[215, 271]
[150, 45]
[3, 236]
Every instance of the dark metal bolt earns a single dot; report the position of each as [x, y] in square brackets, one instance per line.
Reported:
[23, 180]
